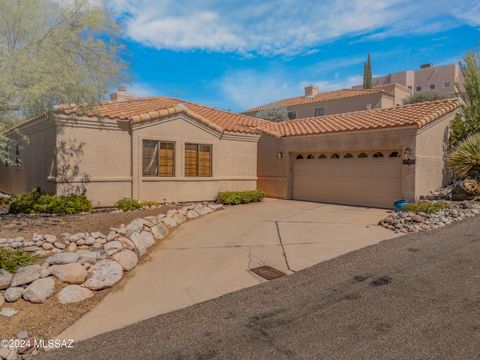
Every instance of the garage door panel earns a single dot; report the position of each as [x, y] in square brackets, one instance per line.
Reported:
[367, 182]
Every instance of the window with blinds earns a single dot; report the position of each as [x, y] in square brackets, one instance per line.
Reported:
[158, 158]
[198, 160]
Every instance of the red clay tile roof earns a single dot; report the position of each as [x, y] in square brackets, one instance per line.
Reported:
[419, 115]
[147, 109]
[326, 96]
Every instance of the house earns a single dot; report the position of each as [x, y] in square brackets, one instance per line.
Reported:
[166, 149]
[445, 79]
[314, 103]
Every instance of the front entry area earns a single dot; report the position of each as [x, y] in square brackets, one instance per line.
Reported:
[370, 178]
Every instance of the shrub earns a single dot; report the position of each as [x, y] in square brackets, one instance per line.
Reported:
[240, 197]
[424, 96]
[425, 207]
[147, 203]
[11, 259]
[35, 202]
[465, 159]
[127, 204]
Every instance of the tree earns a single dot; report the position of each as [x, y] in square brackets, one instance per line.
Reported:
[55, 52]
[367, 74]
[468, 123]
[275, 114]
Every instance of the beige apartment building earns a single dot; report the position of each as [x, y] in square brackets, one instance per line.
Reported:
[314, 103]
[446, 79]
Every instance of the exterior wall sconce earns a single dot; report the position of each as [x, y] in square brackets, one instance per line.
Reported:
[279, 155]
[406, 157]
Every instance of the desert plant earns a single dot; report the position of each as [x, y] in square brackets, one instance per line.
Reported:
[427, 207]
[147, 203]
[11, 259]
[127, 204]
[465, 159]
[240, 197]
[34, 203]
[424, 96]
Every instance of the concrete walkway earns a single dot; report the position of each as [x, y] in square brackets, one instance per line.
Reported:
[210, 257]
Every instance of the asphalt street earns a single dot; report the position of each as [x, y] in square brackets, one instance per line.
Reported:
[413, 297]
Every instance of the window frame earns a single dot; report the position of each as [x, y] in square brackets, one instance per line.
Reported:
[418, 88]
[294, 115]
[174, 166]
[320, 109]
[210, 168]
[432, 86]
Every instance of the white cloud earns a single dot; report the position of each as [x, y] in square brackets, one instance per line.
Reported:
[279, 26]
[142, 90]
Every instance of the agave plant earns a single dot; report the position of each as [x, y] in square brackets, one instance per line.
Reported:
[465, 159]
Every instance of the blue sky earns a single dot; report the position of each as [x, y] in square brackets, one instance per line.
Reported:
[236, 54]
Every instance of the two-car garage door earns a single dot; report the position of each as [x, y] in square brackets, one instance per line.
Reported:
[367, 178]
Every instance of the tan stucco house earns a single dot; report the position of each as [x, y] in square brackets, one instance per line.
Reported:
[315, 103]
[166, 149]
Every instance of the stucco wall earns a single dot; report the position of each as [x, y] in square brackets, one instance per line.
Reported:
[93, 155]
[431, 167]
[37, 149]
[399, 138]
[344, 105]
[234, 162]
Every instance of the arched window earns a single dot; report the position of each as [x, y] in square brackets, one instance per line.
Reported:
[348, 156]
[335, 156]
[310, 157]
[322, 156]
[299, 157]
[363, 155]
[394, 154]
[378, 154]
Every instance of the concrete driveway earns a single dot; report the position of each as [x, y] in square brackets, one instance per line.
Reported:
[211, 256]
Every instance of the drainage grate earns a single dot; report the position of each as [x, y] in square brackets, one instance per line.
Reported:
[267, 272]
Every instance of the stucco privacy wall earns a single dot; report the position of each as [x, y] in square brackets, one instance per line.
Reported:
[269, 167]
[431, 147]
[234, 165]
[93, 154]
[36, 142]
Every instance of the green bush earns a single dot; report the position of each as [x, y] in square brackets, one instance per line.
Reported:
[240, 197]
[465, 159]
[35, 203]
[427, 207]
[127, 204]
[10, 259]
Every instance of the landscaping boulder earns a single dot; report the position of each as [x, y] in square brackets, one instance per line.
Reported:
[140, 247]
[160, 231]
[200, 210]
[63, 258]
[73, 294]
[40, 290]
[73, 273]
[135, 226]
[26, 275]
[192, 214]
[2, 300]
[170, 222]
[8, 312]
[112, 247]
[127, 259]
[127, 243]
[5, 279]
[465, 190]
[147, 238]
[88, 256]
[106, 273]
[179, 218]
[13, 294]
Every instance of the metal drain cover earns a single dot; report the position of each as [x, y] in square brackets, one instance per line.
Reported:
[267, 272]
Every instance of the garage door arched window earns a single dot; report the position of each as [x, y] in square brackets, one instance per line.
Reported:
[335, 156]
[363, 155]
[299, 157]
[378, 155]
[394, 154]
[348, 156]
[322, 156]
[310, 157]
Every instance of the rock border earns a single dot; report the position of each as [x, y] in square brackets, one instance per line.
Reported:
[87, 262]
